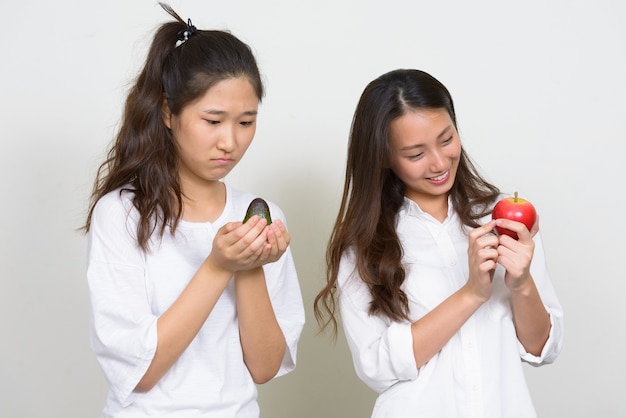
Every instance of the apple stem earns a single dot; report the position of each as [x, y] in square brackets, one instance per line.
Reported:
[515, 198]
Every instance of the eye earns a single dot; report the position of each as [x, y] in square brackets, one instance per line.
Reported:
[447, 141]
[247, 123]
[415, 157]
[212, 122]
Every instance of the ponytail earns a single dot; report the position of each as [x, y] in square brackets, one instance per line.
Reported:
[181, 65]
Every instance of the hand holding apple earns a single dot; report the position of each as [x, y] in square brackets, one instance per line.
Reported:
[516, 209]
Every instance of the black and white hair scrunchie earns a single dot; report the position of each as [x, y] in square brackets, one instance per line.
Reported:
[184, 34]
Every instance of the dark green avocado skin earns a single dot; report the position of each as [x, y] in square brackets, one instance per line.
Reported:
[258, 207]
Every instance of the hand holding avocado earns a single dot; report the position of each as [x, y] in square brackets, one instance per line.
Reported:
[277, 236]
[250, 243]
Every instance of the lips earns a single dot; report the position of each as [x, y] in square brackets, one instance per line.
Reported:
[223, 161]
[439, 179]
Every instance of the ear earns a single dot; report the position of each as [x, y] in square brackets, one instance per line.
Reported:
[166, 113]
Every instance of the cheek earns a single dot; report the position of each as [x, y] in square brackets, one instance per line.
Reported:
[408, 171]
[246, 138]
[455, 151]
[181, 143]
[189, 148]
[250, 134]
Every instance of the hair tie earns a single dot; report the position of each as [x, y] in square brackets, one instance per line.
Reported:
[183, 35]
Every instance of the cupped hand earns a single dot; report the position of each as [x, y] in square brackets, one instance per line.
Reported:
[240, 246]
[278, 238]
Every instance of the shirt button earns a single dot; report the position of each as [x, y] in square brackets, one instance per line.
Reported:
[453, 263]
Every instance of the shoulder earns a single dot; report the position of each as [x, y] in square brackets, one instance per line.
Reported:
[348, 273]
[118, 199]
[113, 207]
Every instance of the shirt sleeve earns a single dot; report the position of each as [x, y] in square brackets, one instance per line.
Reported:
[123, 331]
[382, 351]
[539, 272]
[286, 297]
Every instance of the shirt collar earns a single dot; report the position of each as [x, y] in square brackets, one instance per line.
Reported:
[411, 208]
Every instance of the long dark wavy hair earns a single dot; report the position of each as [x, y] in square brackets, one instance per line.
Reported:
[373, 194]
[143, 159]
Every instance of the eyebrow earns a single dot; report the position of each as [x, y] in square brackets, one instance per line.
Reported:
[442, 134]
[221, 112]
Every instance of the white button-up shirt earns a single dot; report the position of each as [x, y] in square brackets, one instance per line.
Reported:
[478, 373]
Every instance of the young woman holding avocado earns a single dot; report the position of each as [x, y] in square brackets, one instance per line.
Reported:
[191, 307]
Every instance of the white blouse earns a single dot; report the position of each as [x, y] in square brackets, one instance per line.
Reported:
[478, 373]
[130, 289]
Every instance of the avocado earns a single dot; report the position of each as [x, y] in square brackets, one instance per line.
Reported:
[258, 207]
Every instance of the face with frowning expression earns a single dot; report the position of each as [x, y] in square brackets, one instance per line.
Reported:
[425, 152]
[213, 132]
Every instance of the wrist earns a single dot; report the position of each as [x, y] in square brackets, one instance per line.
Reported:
[215, 272]
[250, 273]
[473, 298]
[523, 287]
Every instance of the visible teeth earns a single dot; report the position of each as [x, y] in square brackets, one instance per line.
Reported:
[441, 177]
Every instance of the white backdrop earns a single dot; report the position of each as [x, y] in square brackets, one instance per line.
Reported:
[539, 88]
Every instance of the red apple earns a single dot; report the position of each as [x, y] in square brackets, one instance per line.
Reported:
[516, 209]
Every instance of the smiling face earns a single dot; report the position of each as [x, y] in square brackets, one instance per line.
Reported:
[425, 151]
[213, 132]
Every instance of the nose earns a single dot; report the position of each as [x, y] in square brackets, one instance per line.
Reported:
[437, 161]
[228, 139]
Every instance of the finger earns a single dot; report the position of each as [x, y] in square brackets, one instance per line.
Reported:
[230, 226]
[263, 252]
[266, 253]
[482, 230]
[506, 251]
[514, 268]
[252, 230]
[280, 225]
[489, 240]
[535, 228]
[280, 235]
[514, 254]
[255, 240]
[281, 243]
[227, 235]
[514, 226]
[235, 231]
[272, 241]
[487, 265]
[487, 254]
[246, 242]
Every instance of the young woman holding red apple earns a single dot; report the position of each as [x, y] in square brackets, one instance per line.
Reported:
[190, 307]
[437, 309]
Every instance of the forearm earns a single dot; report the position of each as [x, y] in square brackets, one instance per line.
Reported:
[434, 330]
[180, 324]
[532, 321]
[262, 340]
